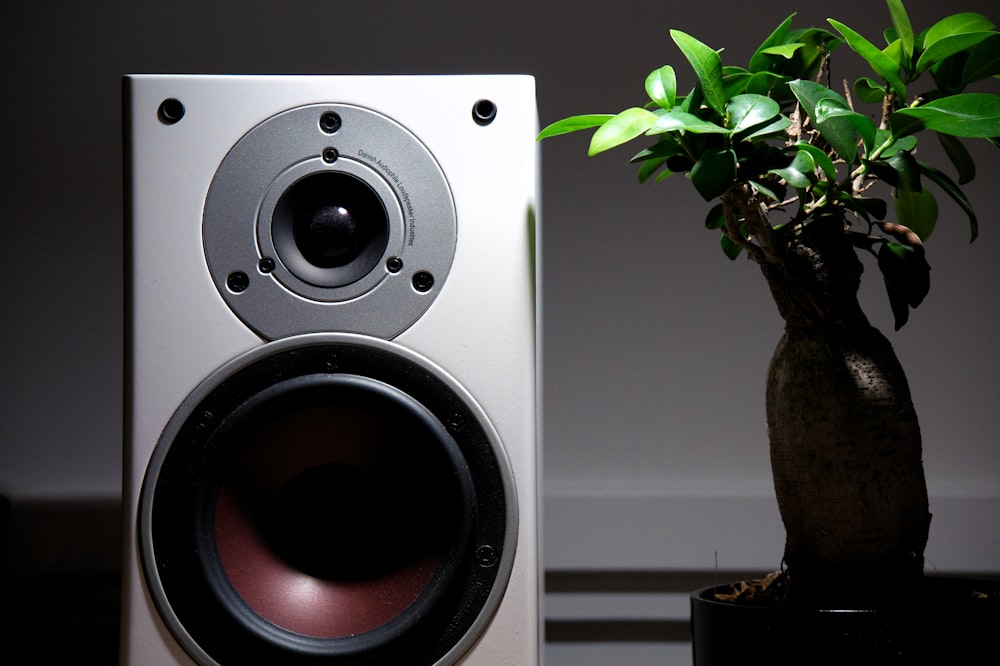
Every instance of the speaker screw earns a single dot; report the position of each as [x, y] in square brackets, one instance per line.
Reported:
[456, 421]
[486, 556]
[171, 111]
[205, 420]
[423, 281]
[238, 281]
[330, 155]
[330, 122]
[266, 265]
[394, 264]
[484, 112]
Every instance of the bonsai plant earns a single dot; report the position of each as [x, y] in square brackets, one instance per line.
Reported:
[802, 180]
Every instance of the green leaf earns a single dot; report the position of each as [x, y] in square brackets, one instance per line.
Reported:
[759, 62]
[983, 61]
[955, 24]
[900, 170]
[716, 218]
[680, 163]
[896, 145]
[883, 65]
[970, 115]
[821, 159]
[751, 111]
[904, 31]
[948, 46]
[714, 172]
[735, 81]
[917, 210]
[906, 271]
[907, 171]
[691, 103]
[959, 156]
[707, 65]
[953, 34]
[767, 190]
[652, 160]
[777, 125]
[868, 90]
[838, 132]
[894, 51]
[866, 207]
[806, 62]
[830, 108]
[668, 146]
[622, 128]
[947, 74]
[800, 173]
[574, 124]
[952, 190]
[677, 120]
[730, 247]
[786, 51]
[650, 167]
[661, 86]
[900, 309]
[762, 83]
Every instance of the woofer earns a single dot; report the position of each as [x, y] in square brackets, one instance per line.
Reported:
[327, 498]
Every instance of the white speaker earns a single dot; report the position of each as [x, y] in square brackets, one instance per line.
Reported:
[331, 450]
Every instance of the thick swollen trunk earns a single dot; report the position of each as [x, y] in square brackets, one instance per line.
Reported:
[845, 443]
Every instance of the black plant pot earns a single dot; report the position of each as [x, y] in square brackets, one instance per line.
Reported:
[950, 621]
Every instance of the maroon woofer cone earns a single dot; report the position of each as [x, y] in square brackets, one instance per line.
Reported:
[333, 517]
[339, 497]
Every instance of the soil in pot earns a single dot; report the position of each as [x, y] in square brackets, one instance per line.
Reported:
[944, 621]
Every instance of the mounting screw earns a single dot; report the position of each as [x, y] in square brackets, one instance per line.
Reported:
[171, 111]
[423, 281]
[330, 122]
[205, 420]
[455, 422]
[486, 556]
[238, 281]
[484, 112]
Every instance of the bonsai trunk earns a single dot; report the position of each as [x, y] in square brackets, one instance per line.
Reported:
[845, 442]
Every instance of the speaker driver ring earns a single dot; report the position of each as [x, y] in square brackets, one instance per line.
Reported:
[366, 297]
[213, 433]
[275, 231]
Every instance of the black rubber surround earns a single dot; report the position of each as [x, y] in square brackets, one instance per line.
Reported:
[177, 537]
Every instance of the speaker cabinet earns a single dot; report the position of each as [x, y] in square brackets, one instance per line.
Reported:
[331, 371]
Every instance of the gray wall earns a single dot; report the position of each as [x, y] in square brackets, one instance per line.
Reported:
[655, 345]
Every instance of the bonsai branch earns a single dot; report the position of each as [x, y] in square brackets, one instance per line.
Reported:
[741, 204]
[889, 104]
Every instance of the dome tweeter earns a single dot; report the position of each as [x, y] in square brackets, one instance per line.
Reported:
[331, 430]
[341, 191]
